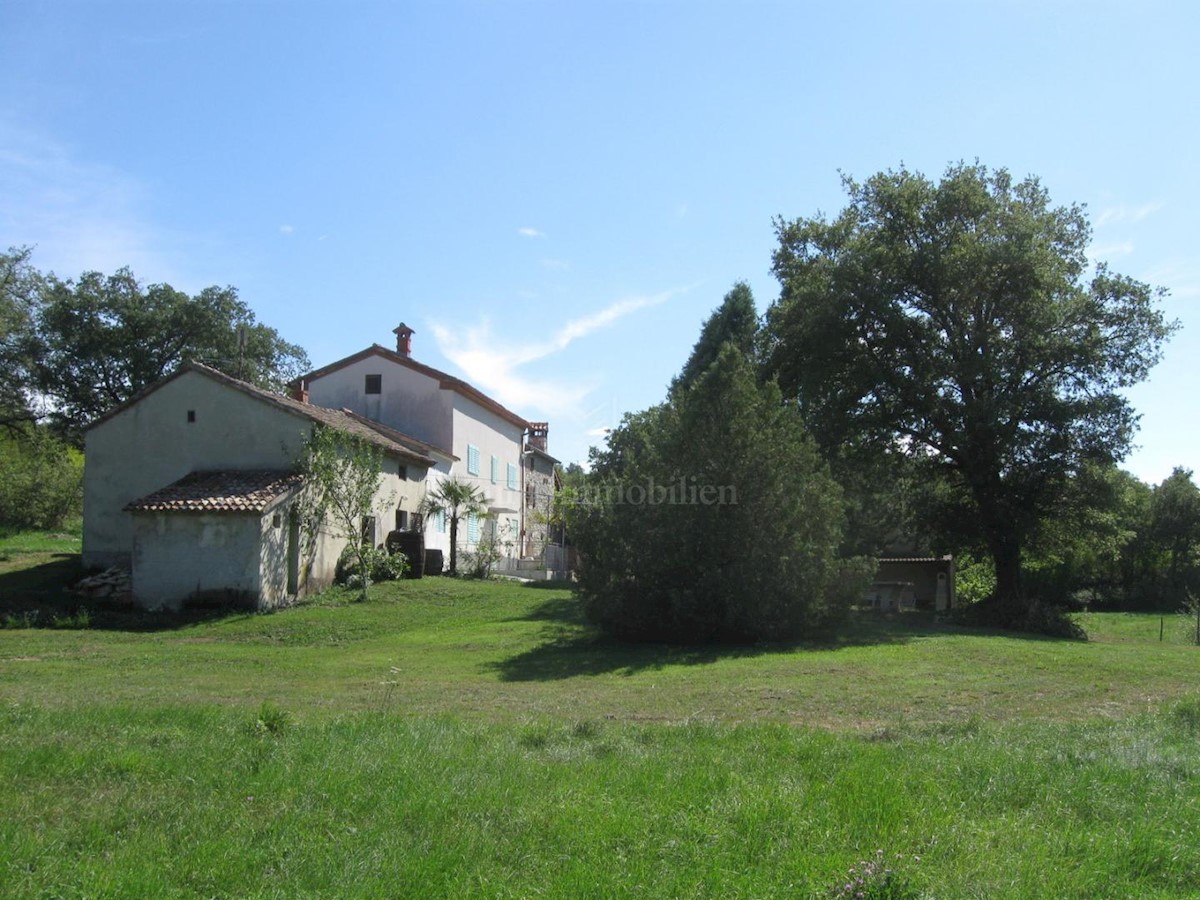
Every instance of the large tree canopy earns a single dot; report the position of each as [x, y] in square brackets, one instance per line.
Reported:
[958, 321]
[101, 339]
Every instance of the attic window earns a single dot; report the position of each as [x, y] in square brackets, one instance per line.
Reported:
[374, 384]
[191, 415]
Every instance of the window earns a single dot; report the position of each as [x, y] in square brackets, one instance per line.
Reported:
[401, 520]
[472, 528]
[512, 477]
[374, 384]
[402, 473]
[495, 470]
[191, 415]
[441, 521]
[472, 459]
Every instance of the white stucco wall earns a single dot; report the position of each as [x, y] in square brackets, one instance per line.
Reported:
[494, 436]
[176, 555]
[410, 401]
[152, 444]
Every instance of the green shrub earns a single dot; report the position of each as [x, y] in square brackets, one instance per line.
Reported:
[41, 481]
[381, 566]
[713, 518]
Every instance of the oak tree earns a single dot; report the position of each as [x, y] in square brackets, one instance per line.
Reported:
[961, 322]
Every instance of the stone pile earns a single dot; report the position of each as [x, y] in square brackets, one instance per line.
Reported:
[113, 585]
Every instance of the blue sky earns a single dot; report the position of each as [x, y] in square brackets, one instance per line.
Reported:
[555, 195]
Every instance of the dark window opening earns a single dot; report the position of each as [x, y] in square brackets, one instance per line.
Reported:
[402, 471]
[401, 520]
[191, 415]
[374, 384]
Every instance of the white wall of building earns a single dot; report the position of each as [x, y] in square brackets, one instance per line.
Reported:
[176, 555]
[152, 444]
[495, 437]
[409, 401]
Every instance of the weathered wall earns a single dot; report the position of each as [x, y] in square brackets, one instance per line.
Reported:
[176, 555]
[152, 444]
[539, 503]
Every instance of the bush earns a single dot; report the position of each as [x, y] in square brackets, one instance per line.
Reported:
[381, 566]
[713, 518]
[41, 481]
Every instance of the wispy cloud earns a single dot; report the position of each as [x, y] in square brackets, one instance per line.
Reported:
[1102, 252]
[555, 264]
[530, 232]
[1125, 215]
[493, 362]
[79, 215]
[287, 229]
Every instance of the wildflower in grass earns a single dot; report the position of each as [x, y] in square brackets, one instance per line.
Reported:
[875, 879]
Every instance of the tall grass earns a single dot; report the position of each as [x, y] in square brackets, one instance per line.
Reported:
[128, 802]
[474, 739]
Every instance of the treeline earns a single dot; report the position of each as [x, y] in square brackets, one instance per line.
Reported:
[72, 349]
[943, 371]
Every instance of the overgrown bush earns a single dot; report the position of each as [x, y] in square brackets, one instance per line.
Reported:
[41, 481]
[713, 518]
[491, 547]
[381, 566]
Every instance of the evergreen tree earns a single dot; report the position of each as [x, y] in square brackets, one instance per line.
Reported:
[735, 322]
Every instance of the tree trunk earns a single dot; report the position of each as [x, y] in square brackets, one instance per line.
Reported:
[453, 546]
[1010, 591]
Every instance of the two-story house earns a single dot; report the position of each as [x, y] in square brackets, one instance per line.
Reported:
[475, 438]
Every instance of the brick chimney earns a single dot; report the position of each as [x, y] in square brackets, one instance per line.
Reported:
[538, 432]
[403, 339]
[299, 391]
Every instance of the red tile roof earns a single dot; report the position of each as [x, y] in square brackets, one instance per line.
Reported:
[242, 490]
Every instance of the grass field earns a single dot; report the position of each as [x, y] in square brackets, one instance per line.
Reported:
[454, 738]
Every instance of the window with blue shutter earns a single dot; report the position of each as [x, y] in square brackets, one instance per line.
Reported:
[472, 459]
[441, 521]
[495, 469]
[512, 477]
[472, 528]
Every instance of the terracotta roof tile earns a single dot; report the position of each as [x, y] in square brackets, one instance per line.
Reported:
[244, 490]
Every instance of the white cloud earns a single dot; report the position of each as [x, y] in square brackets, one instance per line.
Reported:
[1120, 215]
[492, 363]
[530, 233]
[79, 215]
[286, 229]
[1103, 252]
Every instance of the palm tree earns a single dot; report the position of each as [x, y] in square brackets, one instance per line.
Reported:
[456, 499]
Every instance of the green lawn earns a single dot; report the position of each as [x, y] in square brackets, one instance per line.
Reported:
[465, 738]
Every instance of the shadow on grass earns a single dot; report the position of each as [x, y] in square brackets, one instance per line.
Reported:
[38, 595]
[570, 646]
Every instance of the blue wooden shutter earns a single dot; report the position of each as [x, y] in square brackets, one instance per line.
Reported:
[472, 528]
[512, 477]
[495, 470]
[472, 459]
